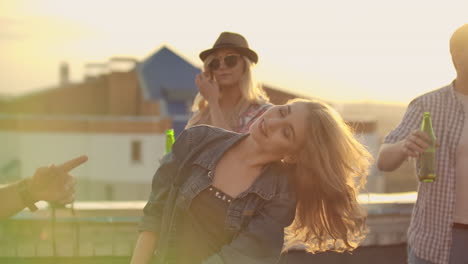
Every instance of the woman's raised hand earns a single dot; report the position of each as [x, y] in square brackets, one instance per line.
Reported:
[208, 87]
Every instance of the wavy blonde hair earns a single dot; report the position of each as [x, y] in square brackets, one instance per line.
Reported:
[251, 91]
[329, 172]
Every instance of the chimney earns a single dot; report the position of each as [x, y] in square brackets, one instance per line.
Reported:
[64, 77]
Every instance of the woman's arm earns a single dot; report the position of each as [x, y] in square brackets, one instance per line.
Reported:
[209, 89]
[144, 248]
[217, 117]
[150, 225]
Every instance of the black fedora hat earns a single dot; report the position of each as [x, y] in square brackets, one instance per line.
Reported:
[232, 41]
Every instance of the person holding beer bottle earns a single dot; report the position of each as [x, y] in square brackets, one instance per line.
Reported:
[438, 232]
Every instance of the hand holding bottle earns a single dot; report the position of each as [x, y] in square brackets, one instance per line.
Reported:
[416, 143]
[427, 162]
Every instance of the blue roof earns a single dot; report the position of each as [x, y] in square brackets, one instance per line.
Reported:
[166, 72]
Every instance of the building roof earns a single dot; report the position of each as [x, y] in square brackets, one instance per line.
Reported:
[166, 75]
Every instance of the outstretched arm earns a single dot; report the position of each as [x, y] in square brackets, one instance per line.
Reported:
[404, 141]
[391, 156]
[53, 183]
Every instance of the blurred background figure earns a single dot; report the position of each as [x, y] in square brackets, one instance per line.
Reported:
[438, 232]
[228, 95]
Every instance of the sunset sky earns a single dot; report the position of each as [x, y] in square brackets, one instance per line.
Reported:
[363, 50]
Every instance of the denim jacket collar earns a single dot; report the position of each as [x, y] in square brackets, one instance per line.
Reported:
[266, 183]
[264, 186]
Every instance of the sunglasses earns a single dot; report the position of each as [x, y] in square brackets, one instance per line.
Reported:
[230, 61]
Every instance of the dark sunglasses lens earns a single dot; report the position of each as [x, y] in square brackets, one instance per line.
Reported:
[231, 61]
[214, 64]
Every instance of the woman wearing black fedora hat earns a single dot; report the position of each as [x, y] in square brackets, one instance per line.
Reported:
[228, 96]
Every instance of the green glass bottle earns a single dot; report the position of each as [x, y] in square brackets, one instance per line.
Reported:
[169, 139]
[427, 159]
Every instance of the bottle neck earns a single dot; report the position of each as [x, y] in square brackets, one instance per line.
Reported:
[427, 124]
[427, 127]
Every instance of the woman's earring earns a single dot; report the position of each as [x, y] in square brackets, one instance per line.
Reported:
[290, 159]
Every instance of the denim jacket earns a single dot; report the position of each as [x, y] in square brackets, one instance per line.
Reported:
[257, 216]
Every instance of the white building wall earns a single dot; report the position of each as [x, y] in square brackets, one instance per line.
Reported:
[8, 146]
[109, 154]
[9, 155]
[375, 180]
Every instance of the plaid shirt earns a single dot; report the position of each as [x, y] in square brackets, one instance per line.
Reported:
[430, 233]
[249, 116]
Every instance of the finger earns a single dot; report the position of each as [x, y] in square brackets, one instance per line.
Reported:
[65, 193]
[418, 144]
[73, 163]
[207, 77]
[410, 153]
[416, 141]
[409, 145]
[413, 154]
[199, 81]
[415, 147]
[422, 135]
[200, 76]
[206, 74]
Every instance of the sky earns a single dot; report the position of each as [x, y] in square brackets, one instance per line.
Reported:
[362, 50]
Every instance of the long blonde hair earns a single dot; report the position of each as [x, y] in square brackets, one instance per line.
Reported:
[330, 170]
[251, 93]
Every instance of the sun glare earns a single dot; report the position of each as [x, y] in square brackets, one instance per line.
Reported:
[357, 52]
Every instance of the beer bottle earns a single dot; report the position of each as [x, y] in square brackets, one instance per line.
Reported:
[427, 159]
[169, 140]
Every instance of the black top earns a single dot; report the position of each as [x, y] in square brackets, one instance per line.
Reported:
[203, 231]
